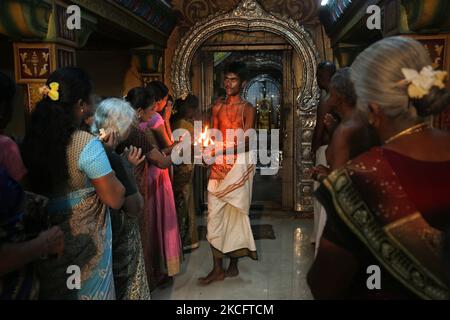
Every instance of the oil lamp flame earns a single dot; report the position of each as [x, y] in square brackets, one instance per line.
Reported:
[204, 139]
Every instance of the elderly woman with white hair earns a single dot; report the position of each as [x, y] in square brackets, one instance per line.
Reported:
[388, 209]
[112, 122]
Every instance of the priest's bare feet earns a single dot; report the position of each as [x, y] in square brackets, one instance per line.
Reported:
[213, 276]
[232, 270]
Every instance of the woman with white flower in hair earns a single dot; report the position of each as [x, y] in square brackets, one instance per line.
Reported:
[389, 207]
[113, 120]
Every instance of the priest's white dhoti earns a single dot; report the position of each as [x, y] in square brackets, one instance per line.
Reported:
[229, 200]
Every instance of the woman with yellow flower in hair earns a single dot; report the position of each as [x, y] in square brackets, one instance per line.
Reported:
[70, 167]
[389, 209]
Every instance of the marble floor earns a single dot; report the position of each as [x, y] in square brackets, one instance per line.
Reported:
[280, 273]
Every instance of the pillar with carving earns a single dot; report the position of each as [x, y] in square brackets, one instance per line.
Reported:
[42, 41]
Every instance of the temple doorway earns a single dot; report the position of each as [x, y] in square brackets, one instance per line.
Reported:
[270, 90]
[282, 58]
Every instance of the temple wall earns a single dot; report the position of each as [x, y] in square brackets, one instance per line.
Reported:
[107, 70]
[16, 128]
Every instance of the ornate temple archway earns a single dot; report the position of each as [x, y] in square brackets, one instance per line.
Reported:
[249, 16]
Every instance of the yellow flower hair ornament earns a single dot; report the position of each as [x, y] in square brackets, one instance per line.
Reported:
[420, 84]
[50, 91]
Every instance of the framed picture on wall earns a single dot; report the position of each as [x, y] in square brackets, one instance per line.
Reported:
[33, 62]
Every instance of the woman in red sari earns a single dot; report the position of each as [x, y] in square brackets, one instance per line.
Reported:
[389, 207]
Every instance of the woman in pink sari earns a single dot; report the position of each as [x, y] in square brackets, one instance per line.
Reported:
[160, 214]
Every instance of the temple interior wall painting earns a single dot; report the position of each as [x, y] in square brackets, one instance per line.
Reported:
[195, 10]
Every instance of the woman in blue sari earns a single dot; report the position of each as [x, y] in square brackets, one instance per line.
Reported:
[71, 168]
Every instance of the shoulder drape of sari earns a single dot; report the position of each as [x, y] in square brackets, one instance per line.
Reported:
[368, 198]
[86, 224]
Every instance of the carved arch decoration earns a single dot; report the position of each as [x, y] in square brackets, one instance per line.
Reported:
[250, 16]
[266, 60]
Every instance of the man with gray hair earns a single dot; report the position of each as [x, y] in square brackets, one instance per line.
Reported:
[351, 137]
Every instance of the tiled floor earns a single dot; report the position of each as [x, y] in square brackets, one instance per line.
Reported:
[279, 274]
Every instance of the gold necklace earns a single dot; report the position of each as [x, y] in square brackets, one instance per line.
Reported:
[415, 129]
